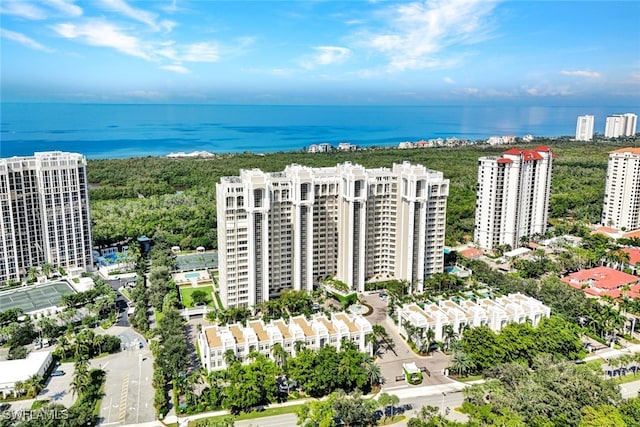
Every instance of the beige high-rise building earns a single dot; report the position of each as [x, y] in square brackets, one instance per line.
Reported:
[513, 196]
[619, 125]
[621, 208]
[293, 229]
[44, 201]
[584, 128]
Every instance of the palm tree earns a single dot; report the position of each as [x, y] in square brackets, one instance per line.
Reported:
[81, 376]
[33, 385]
[47, 269]
[427, 338]
[450, 335]
[461, 363]
[373, 372]
[230, 358]
[19, 388]
[279, 355]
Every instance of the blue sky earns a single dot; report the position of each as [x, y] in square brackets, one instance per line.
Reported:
[336, 52]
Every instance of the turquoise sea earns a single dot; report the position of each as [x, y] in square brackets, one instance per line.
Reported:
[125, 130]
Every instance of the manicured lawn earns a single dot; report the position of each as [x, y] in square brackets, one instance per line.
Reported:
[469, 378]
[186, 291]
[250, 415]
[626, 379]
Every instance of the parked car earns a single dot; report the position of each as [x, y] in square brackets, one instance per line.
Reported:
[57, 373]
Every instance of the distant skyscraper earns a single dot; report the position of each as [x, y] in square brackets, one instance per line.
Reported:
[622, 190]
[513, 196]
[293, 229]
[621, 125]
[584, 128]
[45, 213]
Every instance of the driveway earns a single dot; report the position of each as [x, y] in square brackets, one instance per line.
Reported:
[393, 354]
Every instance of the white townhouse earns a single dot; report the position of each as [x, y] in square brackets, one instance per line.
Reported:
[495, 314]
[313, 333]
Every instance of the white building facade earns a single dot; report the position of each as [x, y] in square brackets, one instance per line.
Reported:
[314, 333]
[293, 229]
[44, 201]
[619, 125]
[584, 128]
[512, 198]
[621, 208]
[465, 313]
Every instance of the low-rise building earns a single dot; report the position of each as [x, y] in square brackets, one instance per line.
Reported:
[20, 370]
[313, 333]
[463, 313]
[603, 281]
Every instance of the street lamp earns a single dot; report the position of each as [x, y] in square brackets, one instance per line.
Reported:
[442, 405]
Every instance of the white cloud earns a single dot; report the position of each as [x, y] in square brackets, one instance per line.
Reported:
[548, 91]
[176, 68]
[581, 73]
[66, 6]
[635, 76]
[22, 39]
[419, 31]
[101, 33]
[200, 52]
[327, 55]
[120, 6]
[448, 80]
[22, 9]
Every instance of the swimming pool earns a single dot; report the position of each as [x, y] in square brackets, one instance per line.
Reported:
[195, 275]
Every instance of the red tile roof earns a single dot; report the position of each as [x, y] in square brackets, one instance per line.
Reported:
[632, 234]
[603, 278]
[503, 160]
[633, 150]
[471, 253]
[634, 255]
[526, 155]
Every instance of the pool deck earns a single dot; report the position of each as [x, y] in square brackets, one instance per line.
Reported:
[190, 277]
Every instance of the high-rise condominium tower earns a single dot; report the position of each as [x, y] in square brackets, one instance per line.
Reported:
[621, 207]
[584, 128]
[513, 196]
[293, 229]
[621, 125]
[45, 213]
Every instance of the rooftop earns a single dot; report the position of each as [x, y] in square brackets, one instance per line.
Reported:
[604, 278]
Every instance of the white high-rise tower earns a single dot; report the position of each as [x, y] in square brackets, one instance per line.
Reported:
[44, 201]
[584, 128]
[295, 228]
[513, 196]
[621, 208]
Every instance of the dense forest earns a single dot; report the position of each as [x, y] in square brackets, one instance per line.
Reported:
[175, 198]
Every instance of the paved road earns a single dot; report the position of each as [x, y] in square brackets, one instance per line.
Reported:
[128, 397]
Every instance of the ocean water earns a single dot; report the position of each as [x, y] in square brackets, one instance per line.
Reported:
[125, 130]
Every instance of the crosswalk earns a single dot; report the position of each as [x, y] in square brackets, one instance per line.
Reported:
[122, 414]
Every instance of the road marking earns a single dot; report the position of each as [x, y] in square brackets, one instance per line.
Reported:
[122, 414]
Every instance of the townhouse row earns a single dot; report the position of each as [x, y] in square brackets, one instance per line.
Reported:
[314, 333]
[494, 313]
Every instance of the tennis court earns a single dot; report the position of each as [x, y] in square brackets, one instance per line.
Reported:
[35, 298]
[197, 261]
